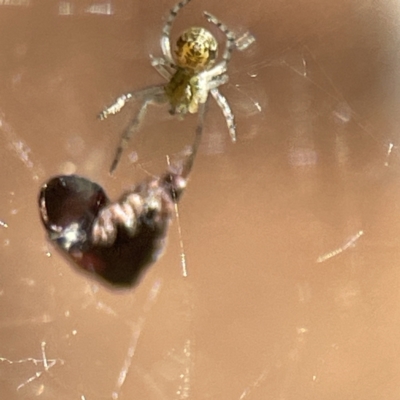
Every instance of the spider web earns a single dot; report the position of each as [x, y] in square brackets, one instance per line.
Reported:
[256, 296]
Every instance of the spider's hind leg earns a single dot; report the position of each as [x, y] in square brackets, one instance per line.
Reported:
[188, 164]
[152, 95]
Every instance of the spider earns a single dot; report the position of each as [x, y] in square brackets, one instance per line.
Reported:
[192, 74]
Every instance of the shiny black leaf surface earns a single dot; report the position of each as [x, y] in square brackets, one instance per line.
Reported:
[74, 210]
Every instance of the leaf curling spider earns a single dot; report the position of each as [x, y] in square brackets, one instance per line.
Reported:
[191, 76]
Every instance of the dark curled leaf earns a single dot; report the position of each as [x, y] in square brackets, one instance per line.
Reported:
[114, 241]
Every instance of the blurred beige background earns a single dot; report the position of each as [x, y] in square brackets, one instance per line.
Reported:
[291, 235]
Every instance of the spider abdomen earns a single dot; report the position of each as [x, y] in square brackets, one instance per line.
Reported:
[196, 49]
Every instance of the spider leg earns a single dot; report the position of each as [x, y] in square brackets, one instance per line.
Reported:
[152, 95]
[217, 76]
[117, 106]
[162, 66]
[218, 80]
[184, 174]
[188, 164]
[134, 125]
[226, 110]
[166, 32]
[244, 41]
[230, 37]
